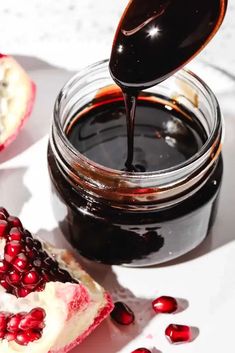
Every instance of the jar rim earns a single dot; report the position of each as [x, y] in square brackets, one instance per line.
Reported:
[185, 72]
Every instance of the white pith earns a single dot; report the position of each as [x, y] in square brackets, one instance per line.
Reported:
[15, 92]
[60, 330]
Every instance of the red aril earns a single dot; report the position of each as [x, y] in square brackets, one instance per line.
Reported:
[20, 263]
[24, 338]
[4, 266]
[13, 322]
[3, 211]
[12, 249]
[3, 321]
[122, 314]
[178, 333]
[3, 227]
[165, 305]
[33, 320]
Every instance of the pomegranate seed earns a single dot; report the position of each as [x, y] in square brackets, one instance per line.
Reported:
[60, 274]
[12, 249]
[37, 263]
[48, 263]
[2, 334]
[13, 278]
[3, 228]
[14, 221]
[3, 321]
[178, 333]
[10, 336]
[31, 252]
[122, 314]
[37, 244]
[20, 262]
[165, 305]
[43, 255]
[141, 350]
[26, 267]
[16, 234]
[4, 266]
[23, 338]
[27, 233]
[38, 314]
[13, 322]
[34, 336]
[29, 242]
[30, 279]
[4, 212]
[21, 292]
[40, 288]
[5, 284]
[33, 320]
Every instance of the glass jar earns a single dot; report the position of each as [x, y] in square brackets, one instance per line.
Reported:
[136, 219]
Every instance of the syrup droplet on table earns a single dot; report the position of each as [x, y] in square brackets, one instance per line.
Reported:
[165, 305]
[122, 314]
[178, 333]
[154, 39]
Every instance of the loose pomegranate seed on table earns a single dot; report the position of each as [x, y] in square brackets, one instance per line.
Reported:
[178, 333]
[122, 314]
[165, 305]
[141, 350]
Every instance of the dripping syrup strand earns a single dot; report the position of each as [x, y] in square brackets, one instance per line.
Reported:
[130, 104]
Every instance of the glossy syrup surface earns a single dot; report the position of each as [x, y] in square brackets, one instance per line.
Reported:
[154, 39]
[164, 137]
[157, 37]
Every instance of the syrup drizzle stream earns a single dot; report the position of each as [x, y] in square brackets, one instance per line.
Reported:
[154, 39]
[130, 104]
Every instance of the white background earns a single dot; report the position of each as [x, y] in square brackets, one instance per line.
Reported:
[72, 34]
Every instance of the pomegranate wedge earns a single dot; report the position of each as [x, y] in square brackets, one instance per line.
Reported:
[47, 302]
[17, 94]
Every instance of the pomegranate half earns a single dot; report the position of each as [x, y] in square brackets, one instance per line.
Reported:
[47, 302]
[17, 95]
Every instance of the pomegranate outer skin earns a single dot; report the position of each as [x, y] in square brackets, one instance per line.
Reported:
[76, 298]
[28, 111]
[99, 318]
[69, 259]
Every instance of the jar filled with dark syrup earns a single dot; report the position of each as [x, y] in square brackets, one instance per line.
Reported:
[166, 204]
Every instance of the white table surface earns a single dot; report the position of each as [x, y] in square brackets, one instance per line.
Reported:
[70, 34]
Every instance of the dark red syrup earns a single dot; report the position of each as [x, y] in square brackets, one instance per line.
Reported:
[164, 136]
[154, 39]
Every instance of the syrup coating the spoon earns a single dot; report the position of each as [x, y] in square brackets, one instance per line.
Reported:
[157, 37]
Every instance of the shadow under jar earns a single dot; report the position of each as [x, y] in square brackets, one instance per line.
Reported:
[149, 216]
